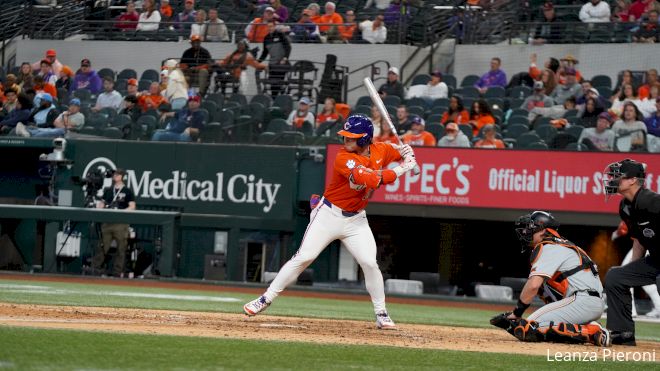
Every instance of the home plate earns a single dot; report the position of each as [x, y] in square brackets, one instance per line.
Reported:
[277, 325]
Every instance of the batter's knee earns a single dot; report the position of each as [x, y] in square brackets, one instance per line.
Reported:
[613, 279]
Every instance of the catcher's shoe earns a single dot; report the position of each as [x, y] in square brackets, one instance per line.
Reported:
[602, 338]
[256, 306]
[384, 322]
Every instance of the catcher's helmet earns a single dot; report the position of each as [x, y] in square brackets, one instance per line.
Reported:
[360, 128]
[533, 222]
[616, 171]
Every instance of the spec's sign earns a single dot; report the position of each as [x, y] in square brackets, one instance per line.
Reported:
[507, 179]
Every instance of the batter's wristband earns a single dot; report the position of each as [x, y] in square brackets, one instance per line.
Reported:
[520, 308]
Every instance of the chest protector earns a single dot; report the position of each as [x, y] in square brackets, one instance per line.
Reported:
[555, 288]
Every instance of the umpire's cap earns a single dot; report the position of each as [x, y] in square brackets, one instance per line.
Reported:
[632, 169]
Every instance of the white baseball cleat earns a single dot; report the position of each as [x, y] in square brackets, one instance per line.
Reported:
[256, 306]
[603, 338]
[384, 322]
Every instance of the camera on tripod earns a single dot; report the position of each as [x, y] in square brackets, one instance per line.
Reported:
[93, 183]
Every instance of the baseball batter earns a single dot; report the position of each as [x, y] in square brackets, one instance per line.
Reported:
[564, 276]
[359, 169]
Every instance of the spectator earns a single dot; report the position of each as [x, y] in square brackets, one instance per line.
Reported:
[432, 90]
[549, 80]
[177, 87]
[278, 46]
[330, 21]
[380, 4]
[51, 56]
[631, 123]
[589, 115]
[109, 98]
[403, 119]
[281, 13]
[651, 80]
[567, 63]
[378, 121]
[393, 86]
[648, 31]
[648, 106]
[328, 113]
[550, 31]
[638, 8]
[621, 11]
[257, 30]
[538, 98]
[20, 114]
[347, 30]
[315, 10]
[595, 11]
[383, 131]
[195, 63]
[128, 20]
[165, 10]
[132, 87]
[199, 27]
[653, 128]
[305, 30]
[70, 120]
[153, 99]
[46, 72]
[570, 89]
[87, 78]
[150, 18]
[490, 139]
[11, 101]
[626, 78]
[494, 77]
[456, 113]
[480, 115]
[40, 86]
[184, 19]
[417, 135]
[374, 32]
[454, 137]
[232, 68]
[552, 64]
[45, 112]
[461, 23]
[395, 14]
[629, 95]
[552, 111]
[25, 76]
[302, 114]
[11, 82]
[64, 79]
[131, 108]
[185, 126]
[216, 30]
[601, 137]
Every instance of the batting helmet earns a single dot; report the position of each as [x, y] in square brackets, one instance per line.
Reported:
[533, 222]
[358, 127]
[616, 171]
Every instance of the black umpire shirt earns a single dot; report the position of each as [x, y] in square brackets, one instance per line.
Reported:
[196, 57]
[642, 216]
[117, 198]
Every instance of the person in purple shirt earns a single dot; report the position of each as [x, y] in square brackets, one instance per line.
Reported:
[281, 11]
[87, 78]
[185, 19]
[653, 122]
[494, 77]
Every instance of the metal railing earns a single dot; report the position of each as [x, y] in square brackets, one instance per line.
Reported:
[571, 32]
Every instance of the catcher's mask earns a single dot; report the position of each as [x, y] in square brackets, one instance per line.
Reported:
[616, 171]
[531, 223]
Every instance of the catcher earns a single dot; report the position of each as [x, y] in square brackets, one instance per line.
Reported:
[566, 279]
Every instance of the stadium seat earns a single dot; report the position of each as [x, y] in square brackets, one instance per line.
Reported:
[211, 107]
[218, 98]
[575, 146]
[438, 110]
[520, 92]
[127, 73]
[284, 102]
[469, 80]
[364, 100]
[537, 145]
[433, 118]
[575, 131]
[450, 80]
[266, 137]
[518, 120]
[437, 129]
[440, 102]
[148, 123]
[421, 79]
[121, 121]
[150, 75]
[515, 130]
[546, 132]
[212, 133]
[85, 95]
[468, 92]
[143, 85]
[238, 98]
[109, 112]
[601, 81]
[541, 121]
[106, 72]
[265, 100]
[526, 139]
[290, 138]
[416, 110]
[277, 126]
[392, 100]
[417, 102]
[495, 92]
[467, 130]
[112, 132]
[362, 110]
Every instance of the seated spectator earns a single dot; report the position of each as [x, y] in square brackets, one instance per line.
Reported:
[305, 30]
[417, 136]
[165, 10]
[51, 56]
[456, 113]
[185, 126]
[64, 79]
[11, 83]
[328, 113]
[377, 120]
[130, 107]
[177, 87]
[595, 11]
[109, 98]
[216, 30]
[232, 68]
[566, 64]
[588, 91]
[538, 98]
[281, 12]
[626, 78]
[183, 20]
[653, 128]
[648, 31]
[195, 63]
[395, 14]
[257, 30]
[128, 20]
[548, 75]
[10, 103]
[638, 8]
[480, 115]
[629, 95]
[552, 111]
[382, 130]
[570, 89]
[454, 137]
[490, 139]
[432, 90]
[621, 12]
[298, 116]
[45, 112]
[403, 119]
[132, 89]
[651, 80]
[153, 99]
[20, 114]
[494, 77]
[393, 86]
[150, 18]
[315, 10]
[199, 27]
[631, 122]
[550, 31]
[40, 86]
[25, 76]
[46, 72]
[648, 106]
[87, 78]
[589, 115]
[330, 21]
[347, 30]
[70, 120]
[374, 32]
[601, 137]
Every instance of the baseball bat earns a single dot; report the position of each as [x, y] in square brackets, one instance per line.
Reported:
[375, 98]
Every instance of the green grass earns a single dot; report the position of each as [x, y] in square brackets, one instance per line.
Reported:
[36, 349]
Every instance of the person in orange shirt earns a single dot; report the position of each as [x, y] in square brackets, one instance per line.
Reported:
[331, 20]
[41, 86]
[644, 91]
[551, 64]
[382, 130]
[359, 169]
[328, 113]
[456, 113]
[568, 62]
[257, 30]
[489, 140]
[480, 115]
[152, 99]
[347, 30]
[165, 10]
[417, 136]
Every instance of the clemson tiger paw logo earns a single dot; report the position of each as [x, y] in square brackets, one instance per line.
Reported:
[350, 164]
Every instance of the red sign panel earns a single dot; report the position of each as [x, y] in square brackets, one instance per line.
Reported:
[508, 179]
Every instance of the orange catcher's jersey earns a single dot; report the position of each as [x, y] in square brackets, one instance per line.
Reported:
[339, 191]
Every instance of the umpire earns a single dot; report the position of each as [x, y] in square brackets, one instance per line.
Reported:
[120, 197]
[640, 210]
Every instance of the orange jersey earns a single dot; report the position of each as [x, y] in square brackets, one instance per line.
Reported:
[422, 139]
[339, 191]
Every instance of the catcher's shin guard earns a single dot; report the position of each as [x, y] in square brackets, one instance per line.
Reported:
[577, 334]
[529, 331]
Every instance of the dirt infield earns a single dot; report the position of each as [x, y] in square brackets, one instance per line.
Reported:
[238, 326]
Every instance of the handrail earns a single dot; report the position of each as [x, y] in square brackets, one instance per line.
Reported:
[373, 73]
[575, 32]
[20, 13]
[429, 56]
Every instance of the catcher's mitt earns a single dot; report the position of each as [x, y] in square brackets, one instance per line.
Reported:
[502, 321]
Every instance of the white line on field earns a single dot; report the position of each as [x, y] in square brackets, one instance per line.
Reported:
[276, 325]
